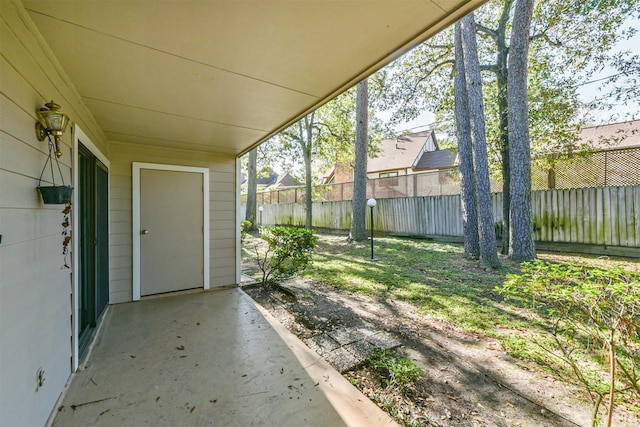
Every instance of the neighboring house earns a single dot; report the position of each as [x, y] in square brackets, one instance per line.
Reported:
[272, 182]
[615, 136]
[409, 154]
[611, 160]
[264, 182]
[285, 181]
[281, 190]
[162, 98]
[404, 155]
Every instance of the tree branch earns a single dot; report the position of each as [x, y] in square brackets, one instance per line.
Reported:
[502, 23]
[439, 46]
[426, 75]
[545, 37]
[300, 138]
[328, 128]
[489, 67]
[488, 31]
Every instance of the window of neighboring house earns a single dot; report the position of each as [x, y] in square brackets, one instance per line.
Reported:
[388, 174]
[389, 179]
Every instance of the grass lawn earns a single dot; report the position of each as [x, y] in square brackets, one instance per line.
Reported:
[434, 277]
[431, 275]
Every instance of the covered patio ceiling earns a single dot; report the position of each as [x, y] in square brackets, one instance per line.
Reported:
[223, 76]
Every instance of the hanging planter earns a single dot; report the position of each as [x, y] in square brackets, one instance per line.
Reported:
[54, 194]
[58, 195]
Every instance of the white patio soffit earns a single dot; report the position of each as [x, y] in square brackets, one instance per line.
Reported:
[222, 76]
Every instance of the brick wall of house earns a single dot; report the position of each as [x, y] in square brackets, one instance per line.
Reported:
[343, 173]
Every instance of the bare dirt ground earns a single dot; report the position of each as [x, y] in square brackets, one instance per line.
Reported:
[469, 381]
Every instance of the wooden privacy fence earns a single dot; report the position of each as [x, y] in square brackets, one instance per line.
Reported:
[607, 216]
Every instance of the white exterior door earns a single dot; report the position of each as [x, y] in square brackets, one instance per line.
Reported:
[170, 230]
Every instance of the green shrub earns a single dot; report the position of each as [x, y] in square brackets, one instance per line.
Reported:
[397, 372]
[595, 314]
[245, 227]
[289, 250]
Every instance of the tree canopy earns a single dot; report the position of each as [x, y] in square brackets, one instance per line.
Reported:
[569, 42]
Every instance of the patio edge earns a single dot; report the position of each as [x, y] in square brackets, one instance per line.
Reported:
[354, 408]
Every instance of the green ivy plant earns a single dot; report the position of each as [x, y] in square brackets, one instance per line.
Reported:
[66, 233]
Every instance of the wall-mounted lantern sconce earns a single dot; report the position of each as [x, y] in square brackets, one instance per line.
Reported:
[52, 121]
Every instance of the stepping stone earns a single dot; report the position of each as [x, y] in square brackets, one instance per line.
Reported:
[383, 340]
[322, 344]
[342, 359]
[247, 280]
[346, 348]
[346, 335]
[360, 349]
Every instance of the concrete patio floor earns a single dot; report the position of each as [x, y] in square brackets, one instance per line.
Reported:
[207, 359]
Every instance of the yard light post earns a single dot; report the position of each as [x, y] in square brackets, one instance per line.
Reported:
[261, 208]
[371, 203]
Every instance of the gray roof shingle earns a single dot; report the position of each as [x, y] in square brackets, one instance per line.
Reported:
[438, 159]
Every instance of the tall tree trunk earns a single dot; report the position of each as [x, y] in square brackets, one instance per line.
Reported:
[307, 135]
[252, 188]
[486, 223]
[521, 247]
[502, 101]
[465, 150]
[503, 117]
[358, 219]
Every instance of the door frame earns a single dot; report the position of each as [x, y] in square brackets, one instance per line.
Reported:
[80, 137]
[135, 229]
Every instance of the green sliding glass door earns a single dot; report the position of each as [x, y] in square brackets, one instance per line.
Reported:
[93, 234]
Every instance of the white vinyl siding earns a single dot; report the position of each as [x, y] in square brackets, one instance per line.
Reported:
[35, 291]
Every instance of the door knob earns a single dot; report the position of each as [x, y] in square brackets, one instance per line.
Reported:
[144, 232]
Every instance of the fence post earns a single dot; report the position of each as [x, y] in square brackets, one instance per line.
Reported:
[415, 185]
[406, 185]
